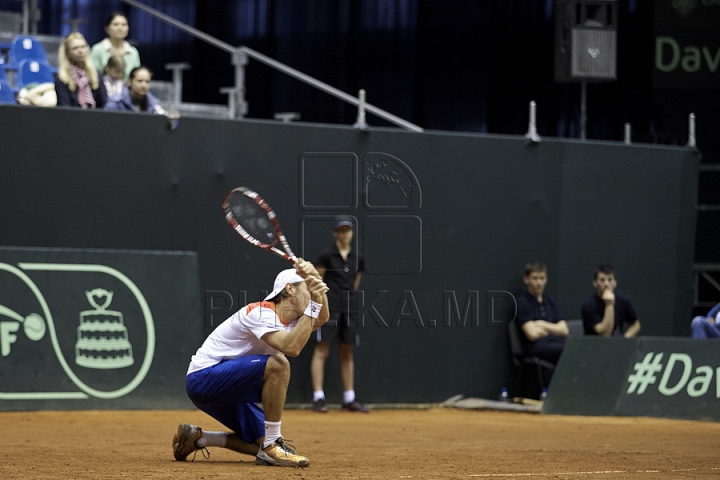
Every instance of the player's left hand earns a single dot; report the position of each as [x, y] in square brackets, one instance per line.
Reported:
[316, 286]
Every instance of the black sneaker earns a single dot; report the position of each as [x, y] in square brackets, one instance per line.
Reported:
[354, 407]
[319, 406]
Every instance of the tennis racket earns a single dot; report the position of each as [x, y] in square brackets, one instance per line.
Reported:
[251, 216]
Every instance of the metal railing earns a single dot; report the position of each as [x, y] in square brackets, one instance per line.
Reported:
[703, 271]
[236, 96]
[709, 207]
[30, 16]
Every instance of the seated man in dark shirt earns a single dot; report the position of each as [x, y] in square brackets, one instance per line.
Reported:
[539, 318]
[608, 313]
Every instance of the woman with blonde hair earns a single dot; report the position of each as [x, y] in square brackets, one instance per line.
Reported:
[78, 83]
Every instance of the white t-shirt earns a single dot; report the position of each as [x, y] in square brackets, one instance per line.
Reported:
[240, 336]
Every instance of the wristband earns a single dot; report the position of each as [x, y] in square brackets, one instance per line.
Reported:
[313, 309]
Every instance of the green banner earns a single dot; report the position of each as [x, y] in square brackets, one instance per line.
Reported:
[687, 45]
[648, 376]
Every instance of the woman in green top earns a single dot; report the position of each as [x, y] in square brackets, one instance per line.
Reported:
[115, 44]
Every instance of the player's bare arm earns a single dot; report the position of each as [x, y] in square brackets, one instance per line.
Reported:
[318, 290]
[291, 343]
[296, 306]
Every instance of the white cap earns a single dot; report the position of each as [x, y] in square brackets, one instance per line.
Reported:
[283, 278]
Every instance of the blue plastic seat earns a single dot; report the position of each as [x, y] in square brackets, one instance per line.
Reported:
[3, 74]
[33, 71]
[7, 94]
[25, 47]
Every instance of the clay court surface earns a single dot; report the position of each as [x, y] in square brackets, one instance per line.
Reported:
[393, 444]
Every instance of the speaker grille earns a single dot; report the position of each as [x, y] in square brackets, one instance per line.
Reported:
[593, 53]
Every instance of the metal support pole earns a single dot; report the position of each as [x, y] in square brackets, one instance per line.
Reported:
[25, 16]
[232, 100]
[177, 80]
[75, 23]
[583, 110]
[360, 122]
[34, 15]
[691, 131]
[240, 59]
[628, 136]
[532, 124]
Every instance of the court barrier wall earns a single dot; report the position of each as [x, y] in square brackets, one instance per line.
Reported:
[648, 376]
[445, 222]
[84, 329]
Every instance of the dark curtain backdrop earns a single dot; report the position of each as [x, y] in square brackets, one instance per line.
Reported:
[462, 65]
[466, 65]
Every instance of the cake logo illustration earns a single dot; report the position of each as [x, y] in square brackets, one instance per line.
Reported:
[102, 336]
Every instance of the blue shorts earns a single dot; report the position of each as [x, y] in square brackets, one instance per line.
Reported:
[228, 392]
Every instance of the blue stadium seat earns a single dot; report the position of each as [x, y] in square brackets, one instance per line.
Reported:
[24, 47]
[3, 74]
[7, 94]
[33, 71]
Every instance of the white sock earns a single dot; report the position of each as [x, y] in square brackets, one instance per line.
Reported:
[212, 439]
[272, 433]
[318, 394]
[348, 396]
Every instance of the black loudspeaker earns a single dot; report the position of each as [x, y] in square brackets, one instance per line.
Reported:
[585, 40]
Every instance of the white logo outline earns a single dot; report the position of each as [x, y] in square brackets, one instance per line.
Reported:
[64, 267]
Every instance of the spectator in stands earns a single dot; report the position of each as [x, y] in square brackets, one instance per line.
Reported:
[707, 326]
[114, 76]
[115, 44]
[136, 97]
[539, 318]
[78, 82]
[608, 313]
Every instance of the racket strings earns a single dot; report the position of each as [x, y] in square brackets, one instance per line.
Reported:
[251, 218]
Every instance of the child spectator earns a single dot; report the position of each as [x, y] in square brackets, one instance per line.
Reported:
[114, 77]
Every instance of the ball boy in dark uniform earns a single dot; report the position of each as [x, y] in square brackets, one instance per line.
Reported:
[341, 267]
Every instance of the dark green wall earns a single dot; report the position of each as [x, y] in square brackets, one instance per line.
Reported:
[441, 216]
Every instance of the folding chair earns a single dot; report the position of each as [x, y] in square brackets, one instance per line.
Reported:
[523, 360]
